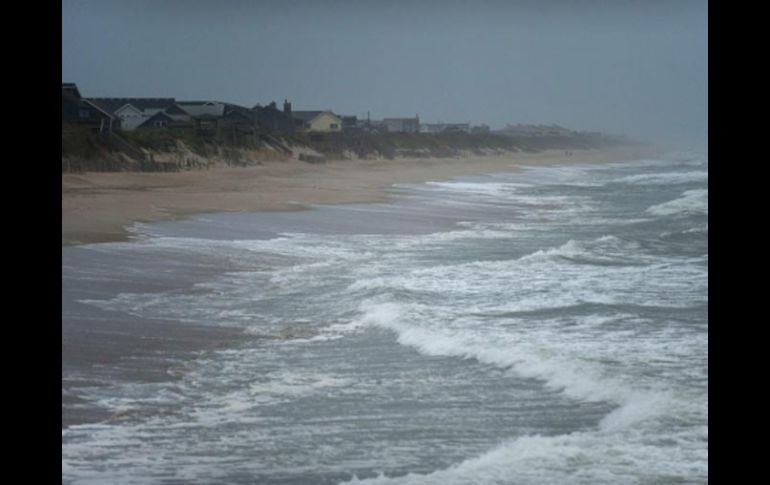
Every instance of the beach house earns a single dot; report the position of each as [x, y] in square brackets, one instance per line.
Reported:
[75, 109]
[212, 116]
[173, 117]
[269, 118]
[442, 127]
[132, 112]
[402, 125]
[317, 121]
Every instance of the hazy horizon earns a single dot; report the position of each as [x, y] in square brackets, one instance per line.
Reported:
[624, 67]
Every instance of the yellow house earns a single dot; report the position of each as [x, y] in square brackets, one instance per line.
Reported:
[324, 121]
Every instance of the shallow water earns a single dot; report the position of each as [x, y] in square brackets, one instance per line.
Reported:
[549, 326]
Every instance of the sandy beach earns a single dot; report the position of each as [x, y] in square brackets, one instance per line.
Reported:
[98, 207]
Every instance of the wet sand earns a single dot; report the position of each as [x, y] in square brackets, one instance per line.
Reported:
[98, 207]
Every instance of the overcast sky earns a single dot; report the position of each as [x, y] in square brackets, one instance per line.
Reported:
[633, 67]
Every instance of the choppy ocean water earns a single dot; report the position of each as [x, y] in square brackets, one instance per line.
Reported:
[545, 326]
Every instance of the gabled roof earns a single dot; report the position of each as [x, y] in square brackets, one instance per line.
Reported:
[111, 105]
[160, 115]
[200, 103]
[71, 89]
[201, 108]
[234, 109]
[171, 118]
[127, 107]
[308, 116]
[305, 115]
[176, 110]
[99, 109]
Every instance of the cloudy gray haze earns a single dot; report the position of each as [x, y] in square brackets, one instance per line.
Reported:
[631, 67]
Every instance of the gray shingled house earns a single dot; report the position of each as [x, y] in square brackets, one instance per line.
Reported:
[269, 118]
[75, 109]
[132, 111]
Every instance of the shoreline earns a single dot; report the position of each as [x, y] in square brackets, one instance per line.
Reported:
[100, 206]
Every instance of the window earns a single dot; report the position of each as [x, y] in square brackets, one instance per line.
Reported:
[334, 126]
[160, 123]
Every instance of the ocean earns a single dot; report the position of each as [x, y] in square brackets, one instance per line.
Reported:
[547, 326]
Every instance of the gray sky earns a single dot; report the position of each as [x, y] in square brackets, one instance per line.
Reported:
[633, 67]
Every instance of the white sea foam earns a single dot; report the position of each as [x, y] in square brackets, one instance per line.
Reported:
[282, 386]
[691, 202]
[579, 380]
[484, 188]
[654, 162]
[697, 230]
[693, 230]
[606, 270]
[578, 458]
[664, 178]
[617, 452]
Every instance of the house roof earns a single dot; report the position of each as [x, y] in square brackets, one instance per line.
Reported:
[111, 105]
[201, 108]
[98, 108]
[199, 103]
[160, 115]
[71, 89]
[305, 115]
[236, 109]
[177, 119]
[71, 102]
[176, 110]
[129, 107]
[308, 116]
[269, 107]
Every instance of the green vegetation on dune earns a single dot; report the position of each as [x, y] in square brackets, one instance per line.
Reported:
[178, 149]
[79, 141]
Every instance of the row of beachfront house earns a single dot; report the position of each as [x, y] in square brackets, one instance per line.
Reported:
[109, 114]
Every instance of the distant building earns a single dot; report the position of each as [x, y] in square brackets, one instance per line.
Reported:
[402, 125]
[535, 130]
[75, 109]
[132, 112]
[237, 119]
[273, 120]
[481, 129]
[215, 116]
[157, 121]
[350, 123]
[318, 121]
[445, 127]
[214, 109]
[376, 125]
[71, 89]
[203, 115]
[173, 117]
